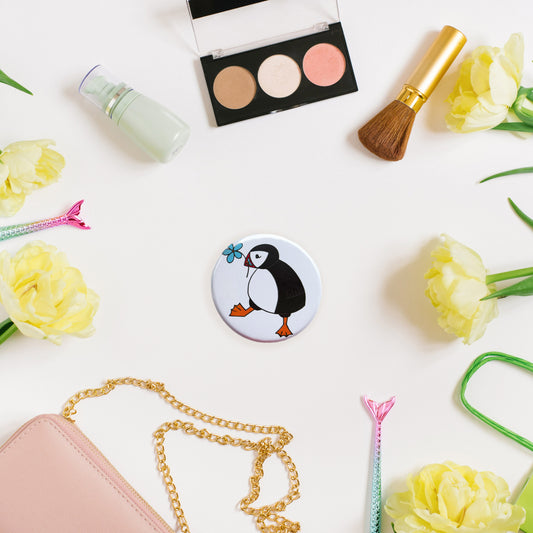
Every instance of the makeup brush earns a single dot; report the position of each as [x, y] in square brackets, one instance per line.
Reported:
[387, 134]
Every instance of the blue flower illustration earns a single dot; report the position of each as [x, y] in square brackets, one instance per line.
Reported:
[232, 252]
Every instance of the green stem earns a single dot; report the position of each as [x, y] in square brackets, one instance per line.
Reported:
[510, 274]
[7, 328]
[523, 288]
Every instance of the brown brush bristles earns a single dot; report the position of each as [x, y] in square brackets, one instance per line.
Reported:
[387, 134]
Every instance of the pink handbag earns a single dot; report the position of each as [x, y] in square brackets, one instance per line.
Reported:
[53, 479]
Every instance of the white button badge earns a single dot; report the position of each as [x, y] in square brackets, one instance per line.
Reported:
[266, 288]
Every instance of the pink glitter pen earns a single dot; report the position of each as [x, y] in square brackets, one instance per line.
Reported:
[379, 411]
[69, 218]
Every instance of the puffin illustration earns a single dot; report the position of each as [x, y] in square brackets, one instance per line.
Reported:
[274, 287]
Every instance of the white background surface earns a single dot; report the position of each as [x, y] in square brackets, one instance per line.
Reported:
[368, 224]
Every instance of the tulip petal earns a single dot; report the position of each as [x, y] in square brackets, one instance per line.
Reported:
[456, 284]
[44, 296]
[468, 502]
[486, 88]
[31, 165]
[514, 51]
[503, 88]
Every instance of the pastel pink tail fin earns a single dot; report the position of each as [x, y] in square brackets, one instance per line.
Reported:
[71, 216]
[379, 410]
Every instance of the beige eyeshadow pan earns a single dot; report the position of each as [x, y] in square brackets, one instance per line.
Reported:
[279, 76]
[234, 87]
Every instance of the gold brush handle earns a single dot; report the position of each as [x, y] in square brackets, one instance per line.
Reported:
[437, 60]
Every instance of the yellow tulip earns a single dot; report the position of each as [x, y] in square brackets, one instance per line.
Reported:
[447, 498]
[487, 86]
[456, 283]
[43, 295]
[24, 167]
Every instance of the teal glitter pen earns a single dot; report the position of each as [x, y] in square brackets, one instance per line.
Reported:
[70, 218]
[379, 411]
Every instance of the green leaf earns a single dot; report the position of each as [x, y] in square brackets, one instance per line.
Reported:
[521, 214]
[522, 288]
[514, 126]
[522, 170]
[7, 328]
[4, 78]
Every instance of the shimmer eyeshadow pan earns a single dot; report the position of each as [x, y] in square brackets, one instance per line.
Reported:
[234, 87]
[279, 76]
[324, 64]
[300, 67]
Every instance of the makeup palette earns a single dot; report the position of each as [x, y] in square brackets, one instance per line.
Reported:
[283, 66]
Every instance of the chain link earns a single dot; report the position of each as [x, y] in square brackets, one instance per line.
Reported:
[267, 517]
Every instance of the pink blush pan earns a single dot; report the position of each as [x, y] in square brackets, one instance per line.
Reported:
[324, 64]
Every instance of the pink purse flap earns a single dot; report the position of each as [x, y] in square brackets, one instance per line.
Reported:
[54, 480]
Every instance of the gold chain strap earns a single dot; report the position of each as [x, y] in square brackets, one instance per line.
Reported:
[267, 517]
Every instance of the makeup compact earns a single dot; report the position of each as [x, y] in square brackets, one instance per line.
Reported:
[264, 56]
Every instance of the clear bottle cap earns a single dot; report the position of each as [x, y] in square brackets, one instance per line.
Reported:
[102, 88]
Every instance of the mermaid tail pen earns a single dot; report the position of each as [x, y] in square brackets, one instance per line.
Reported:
[70, 218]
[379, 411]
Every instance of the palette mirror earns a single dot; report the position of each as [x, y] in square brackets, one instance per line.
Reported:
[263, 56]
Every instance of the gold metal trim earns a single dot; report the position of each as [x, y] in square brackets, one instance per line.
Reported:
[412, 97]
